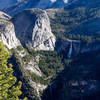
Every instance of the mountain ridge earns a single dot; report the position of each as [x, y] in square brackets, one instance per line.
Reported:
[19, 5]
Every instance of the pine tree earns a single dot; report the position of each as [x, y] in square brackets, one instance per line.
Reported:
[9, 89]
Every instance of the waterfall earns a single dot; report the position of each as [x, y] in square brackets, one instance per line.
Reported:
[70, 51]
[50, 90]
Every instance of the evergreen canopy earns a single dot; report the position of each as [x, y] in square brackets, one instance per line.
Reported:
[9, 90]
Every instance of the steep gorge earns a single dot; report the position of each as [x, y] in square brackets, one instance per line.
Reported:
[57, 50]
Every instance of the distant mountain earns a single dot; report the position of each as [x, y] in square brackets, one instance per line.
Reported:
[14, 6]
[34, 3]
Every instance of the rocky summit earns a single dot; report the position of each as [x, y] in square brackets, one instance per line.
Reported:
[33, 29]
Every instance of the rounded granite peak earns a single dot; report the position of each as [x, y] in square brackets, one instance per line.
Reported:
[32, 27]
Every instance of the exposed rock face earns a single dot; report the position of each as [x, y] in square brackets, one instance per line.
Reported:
[33, 29]
[26, 70]
[4, 16]
[78, 47]
[38, 87]
[33, 67]
[7, 34]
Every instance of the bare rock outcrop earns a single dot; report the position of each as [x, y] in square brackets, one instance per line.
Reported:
[33, 29]
[7, 33]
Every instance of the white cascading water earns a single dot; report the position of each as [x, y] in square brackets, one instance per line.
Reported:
[50, 90]
[70, 51]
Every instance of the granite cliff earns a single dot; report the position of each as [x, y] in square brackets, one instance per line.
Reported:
[7, 32]
[33, 29]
